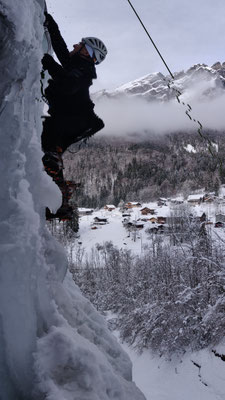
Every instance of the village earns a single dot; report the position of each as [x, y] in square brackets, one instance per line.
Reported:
[158, 214]
[132, 224]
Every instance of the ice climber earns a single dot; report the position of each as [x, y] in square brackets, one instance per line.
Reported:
[71, 111]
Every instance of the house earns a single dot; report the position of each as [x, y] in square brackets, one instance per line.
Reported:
[146, 211]
[161, 201]
[85, 211]
[208, 198]
[109, 207]
[161, 220]
[195, 199]
[132, 204]
[126, 214]
[138, 224]
[157, 228]
[152, 229]
[161, 228]
[153, 220]
[134, 225]
[100, 220]
[177, 200]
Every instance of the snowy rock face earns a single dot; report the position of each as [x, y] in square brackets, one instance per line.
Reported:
[154, 87]
[53, 344]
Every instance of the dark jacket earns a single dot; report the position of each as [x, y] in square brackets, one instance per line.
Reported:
[68, 90]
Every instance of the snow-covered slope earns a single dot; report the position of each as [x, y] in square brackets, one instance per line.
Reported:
[197, 376]
[53, 344]
[204, 80]
[193, 375]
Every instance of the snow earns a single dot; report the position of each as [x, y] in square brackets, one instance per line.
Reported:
[143, 80]
[216, 146]
[222, 191]
[114, 230]
[197, 83]
[179, 379]
[177, 199]
[137, 241]
[53, 343]
[190, 148]
[195, 197]
[79, 358]
[80, 209]
[158, 378]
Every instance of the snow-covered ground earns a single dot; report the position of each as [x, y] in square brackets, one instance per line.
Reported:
[114, 229]
[197, 376]
[138, 240]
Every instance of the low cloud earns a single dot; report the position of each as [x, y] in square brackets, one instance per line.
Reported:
[131, 115]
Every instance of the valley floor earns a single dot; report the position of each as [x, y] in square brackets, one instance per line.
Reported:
[137, 240]
[198, 376]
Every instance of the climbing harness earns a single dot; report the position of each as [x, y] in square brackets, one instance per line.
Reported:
[178, 93]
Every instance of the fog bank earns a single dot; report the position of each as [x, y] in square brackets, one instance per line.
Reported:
[129, 115]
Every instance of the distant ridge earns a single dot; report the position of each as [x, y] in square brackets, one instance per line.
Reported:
[153, 87]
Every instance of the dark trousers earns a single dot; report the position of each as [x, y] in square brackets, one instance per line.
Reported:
[63, 130]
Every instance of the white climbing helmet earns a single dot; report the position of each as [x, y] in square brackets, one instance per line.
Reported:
[98, 47]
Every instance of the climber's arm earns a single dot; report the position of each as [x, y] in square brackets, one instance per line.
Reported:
[53, 68]
[58, 43]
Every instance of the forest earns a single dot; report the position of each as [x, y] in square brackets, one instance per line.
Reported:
[171, 298]
[111, 170]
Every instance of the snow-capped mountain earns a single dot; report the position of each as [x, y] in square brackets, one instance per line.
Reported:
[157, 87]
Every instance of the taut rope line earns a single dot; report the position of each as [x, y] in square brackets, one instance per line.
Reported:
[178, 93]
[160, 55]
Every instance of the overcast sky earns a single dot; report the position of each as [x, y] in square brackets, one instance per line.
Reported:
[186, 32]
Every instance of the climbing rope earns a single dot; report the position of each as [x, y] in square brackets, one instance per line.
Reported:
[160, 55]
[178, 93]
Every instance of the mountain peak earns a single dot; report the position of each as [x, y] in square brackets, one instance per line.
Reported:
[154, 86]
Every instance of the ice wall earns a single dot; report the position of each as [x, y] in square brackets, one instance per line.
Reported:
[53, 344]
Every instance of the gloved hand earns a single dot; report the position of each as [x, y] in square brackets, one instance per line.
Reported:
[48, 19]
[46, 61]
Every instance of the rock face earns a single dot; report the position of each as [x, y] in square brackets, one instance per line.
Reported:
[154, 87]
